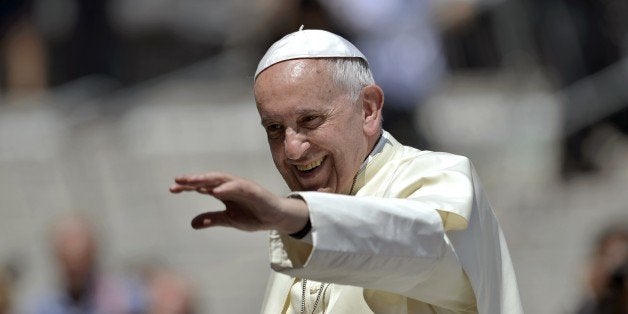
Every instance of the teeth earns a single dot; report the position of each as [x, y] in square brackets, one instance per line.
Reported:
[310, 166]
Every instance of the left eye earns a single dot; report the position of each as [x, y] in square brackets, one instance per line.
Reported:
[311, 121]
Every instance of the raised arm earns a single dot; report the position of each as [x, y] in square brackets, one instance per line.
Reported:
[248, 206]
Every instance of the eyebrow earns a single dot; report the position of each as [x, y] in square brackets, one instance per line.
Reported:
[265, 121]
[299, 112]
[305, 112]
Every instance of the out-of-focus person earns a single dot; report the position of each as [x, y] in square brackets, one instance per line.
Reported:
[5, 294]
[606, 276]
[169, 293]
[8, 276]
[83, 286]
[23, 62]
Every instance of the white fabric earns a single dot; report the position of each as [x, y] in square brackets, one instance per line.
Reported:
[308, 43]
[417, 237]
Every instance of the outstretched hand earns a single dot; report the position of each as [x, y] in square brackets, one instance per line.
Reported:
[248, 206]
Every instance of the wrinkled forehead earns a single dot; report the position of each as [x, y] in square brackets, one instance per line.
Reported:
[311, 72]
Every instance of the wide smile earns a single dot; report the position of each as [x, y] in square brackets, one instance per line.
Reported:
[311, 166]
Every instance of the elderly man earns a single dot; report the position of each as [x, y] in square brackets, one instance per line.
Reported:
[84, 286]
[372, 226]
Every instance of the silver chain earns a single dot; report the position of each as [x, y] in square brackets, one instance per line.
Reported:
[318, 296]
[304, 281]
[353, 184]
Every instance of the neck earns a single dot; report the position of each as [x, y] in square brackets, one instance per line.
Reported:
[372, 142]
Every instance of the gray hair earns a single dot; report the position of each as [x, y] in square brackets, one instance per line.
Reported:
[351, 74]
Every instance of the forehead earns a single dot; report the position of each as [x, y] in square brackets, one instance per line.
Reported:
[295, 85]
[291, 73]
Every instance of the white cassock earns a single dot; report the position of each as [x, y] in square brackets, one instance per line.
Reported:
[418, 236]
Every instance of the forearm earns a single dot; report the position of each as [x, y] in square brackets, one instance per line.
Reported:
[389, 231]
[391, 245]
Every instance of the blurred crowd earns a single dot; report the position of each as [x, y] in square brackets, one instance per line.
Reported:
[580, 46]
[411, 44]
[82, 286]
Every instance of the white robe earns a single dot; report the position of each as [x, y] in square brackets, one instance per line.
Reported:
[418, 236]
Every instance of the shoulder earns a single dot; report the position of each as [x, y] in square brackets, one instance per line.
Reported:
[430, 160]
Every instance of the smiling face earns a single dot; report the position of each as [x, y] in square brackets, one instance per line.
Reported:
[318, 135]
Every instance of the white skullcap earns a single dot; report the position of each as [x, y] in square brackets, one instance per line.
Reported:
[309, 43]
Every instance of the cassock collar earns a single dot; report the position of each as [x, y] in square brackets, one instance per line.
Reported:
[375, 154]
[379, 146]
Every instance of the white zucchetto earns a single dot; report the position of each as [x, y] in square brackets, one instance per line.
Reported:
[308, 43]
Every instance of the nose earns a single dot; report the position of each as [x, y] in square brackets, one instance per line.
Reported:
[295, 144]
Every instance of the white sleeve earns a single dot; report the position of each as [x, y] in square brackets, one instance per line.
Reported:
[388, 244]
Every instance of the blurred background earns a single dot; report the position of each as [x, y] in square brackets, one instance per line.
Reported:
[103, 102]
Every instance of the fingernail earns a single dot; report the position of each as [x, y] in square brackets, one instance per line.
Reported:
[200, 223]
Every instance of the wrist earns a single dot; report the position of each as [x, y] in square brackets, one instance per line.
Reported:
[303, 232]
[296, 216]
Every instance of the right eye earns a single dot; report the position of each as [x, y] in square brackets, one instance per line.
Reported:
[274, 130]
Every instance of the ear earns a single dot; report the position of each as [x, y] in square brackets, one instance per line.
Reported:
[372, 103]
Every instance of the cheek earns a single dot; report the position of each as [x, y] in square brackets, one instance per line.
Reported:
[350, 156]
[281, 166]
[276, 151]
[279, 161]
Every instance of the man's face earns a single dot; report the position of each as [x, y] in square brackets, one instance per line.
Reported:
[315, 131]
[75, 249]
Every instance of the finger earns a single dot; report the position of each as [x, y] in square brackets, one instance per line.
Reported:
[229, 191]
[211, 219]
[204, 190]
[238, 190]
[211, 179]
[177, 188]
[186, 188]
